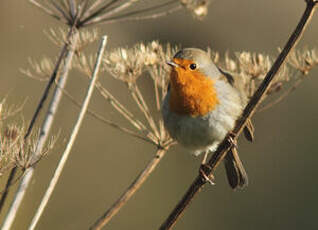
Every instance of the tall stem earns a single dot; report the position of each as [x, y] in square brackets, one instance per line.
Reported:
[45, 129]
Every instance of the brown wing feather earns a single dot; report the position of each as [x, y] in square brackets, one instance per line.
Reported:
[235, 172]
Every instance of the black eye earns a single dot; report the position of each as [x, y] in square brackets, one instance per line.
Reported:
[193, 66]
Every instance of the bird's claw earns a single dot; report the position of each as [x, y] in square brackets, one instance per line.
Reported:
[232, 140]
[203, 173]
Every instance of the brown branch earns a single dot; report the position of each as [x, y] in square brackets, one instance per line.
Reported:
[130, 191]
[249, 110]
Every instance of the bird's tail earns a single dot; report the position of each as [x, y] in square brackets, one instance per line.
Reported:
[234, 168]
[235, 172]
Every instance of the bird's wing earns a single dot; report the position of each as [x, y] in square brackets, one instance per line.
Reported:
[229, 78]
[249, 128]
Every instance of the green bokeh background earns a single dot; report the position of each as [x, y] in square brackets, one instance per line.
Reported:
[282, 163]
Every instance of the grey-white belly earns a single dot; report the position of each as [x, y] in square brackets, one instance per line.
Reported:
[201, 133]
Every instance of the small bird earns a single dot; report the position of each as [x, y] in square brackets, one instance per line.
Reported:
[201, 106]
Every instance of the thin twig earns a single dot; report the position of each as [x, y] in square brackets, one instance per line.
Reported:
[111, 12]
[109, 122]
[123, 111]
[47, 10]
[99, 11]
[92, 7]
[158, 100]
[73, 10]
[73, 136]
[249, 110]
[61, 12]
[130, 191]
[142, 105]
[46, 126]
[120, 18]
[84, 6]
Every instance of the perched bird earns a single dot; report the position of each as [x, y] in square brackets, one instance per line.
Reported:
[201, 107]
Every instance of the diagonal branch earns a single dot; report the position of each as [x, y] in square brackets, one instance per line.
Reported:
[130, 191]
[249, 110]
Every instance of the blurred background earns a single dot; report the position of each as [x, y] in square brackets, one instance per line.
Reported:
[281, 164]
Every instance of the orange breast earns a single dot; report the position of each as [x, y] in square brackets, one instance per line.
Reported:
[191, 92]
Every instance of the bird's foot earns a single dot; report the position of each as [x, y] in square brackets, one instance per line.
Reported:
[232, 140]
[203, 173]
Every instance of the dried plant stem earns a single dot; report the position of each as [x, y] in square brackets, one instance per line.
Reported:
[46, 126]
[158, 100]
[130, 191]
[100, 10]
[135, 18]
[249, 110]
[75, 131]
[124, 112]
[48, 11]
[93, 6]
[113, 11]
[141, 103]
[36, 115]
[6, 189]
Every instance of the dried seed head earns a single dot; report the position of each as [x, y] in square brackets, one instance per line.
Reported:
[303, 60]
[40, 70]
[198, 8]
[129, 64]
[11, 133]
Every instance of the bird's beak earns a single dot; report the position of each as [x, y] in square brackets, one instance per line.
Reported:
[172, 64]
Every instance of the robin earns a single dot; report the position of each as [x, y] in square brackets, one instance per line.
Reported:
[201, 106]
